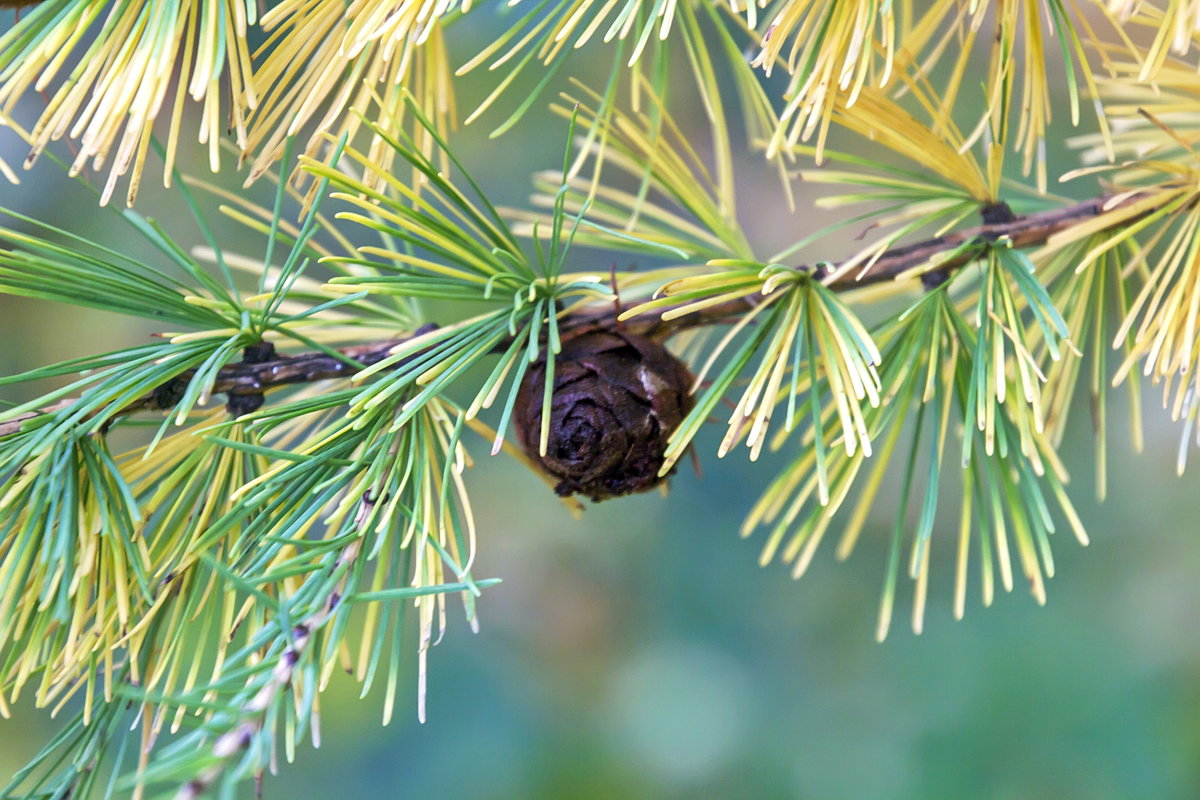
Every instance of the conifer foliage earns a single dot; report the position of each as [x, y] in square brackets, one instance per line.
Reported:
[197, 535]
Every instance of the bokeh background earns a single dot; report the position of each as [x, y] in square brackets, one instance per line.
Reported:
[642, 653]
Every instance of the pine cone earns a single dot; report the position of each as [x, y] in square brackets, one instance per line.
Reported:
[617, 399]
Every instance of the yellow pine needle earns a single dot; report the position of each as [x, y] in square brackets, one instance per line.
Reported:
[1176, 25]
[858, 518]
[802, 548]
[855, 48]
[340, 64]
[940, 150]
[660, 152]
[124, 77]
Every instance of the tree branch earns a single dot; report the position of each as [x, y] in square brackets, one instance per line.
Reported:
[249, 379]
[1026, 231]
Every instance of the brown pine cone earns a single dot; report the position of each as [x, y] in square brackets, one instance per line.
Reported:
[617, 399]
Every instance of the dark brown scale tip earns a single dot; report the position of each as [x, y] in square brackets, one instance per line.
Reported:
[168, 394]
[997, 213]
[617, 398]
[934, 278]
[258, 353]
[238, 405]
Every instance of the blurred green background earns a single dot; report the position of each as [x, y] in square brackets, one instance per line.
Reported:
[642, 653]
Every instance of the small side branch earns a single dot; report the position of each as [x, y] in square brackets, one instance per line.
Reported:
[1031, 230]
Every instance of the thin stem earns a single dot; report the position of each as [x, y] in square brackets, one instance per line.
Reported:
[252, 716]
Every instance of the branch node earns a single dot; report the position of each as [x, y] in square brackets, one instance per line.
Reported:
[997, 213]
[168, 394]
[241, 404]
[818, 272]
[934, 279]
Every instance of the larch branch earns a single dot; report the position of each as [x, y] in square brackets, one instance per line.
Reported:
[1026, 231]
